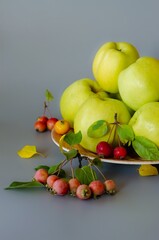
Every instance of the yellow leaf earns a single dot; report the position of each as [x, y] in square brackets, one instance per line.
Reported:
[147, 170]
[27, 151]
[61, 142]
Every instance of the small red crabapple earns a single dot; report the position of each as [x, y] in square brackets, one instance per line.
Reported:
[110, 186]
[73, 185]
[42, 119]
[97, 187]
[51, 122]
[104, 149]
[40, 126]
[41, 175]
[83, 192]
[119, 152]
[50, 180]
[60, 187]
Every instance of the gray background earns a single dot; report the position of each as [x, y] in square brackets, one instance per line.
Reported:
[48, 44]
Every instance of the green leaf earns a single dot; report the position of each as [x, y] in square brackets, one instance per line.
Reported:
[72, 138]
[48, 95]
[55, 169]
[18, 185]
[62, 173]
[97, 162]
[70, 154]
[42, 166]
[145, 148]
[98, 129]
[85, 175]
[125, 133]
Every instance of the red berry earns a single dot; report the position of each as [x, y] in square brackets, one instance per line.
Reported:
[50, 180]
[104, 149]
[110, 186]
[73, 185]
[60, 187]
[120, 152]
[40, 126]
[97, 187]
[41, 175]
[83, 192]
[42, 119]
[51, 122]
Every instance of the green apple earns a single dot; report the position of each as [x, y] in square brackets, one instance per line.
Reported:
[76, 94]
[110, 60]
[139, 83]
[98, 108]
[117, 96]
[145, 122]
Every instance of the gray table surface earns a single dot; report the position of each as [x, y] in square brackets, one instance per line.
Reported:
[48, 45]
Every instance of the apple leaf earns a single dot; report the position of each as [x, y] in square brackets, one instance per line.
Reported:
[28, 151]
[125, 133]
[56, 169]
[147, 170]
[48, 96]
[42, 167]
[145, 148]
[17, 185]
[70, 154]
[73, 138]
[98, 129]
[85, 175]
[97, 162]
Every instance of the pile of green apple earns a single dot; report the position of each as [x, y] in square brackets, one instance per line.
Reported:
[125, 84]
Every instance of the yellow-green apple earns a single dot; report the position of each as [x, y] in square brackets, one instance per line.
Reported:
[99, 108]
[145, 122]
[117, 96]
[76, 94]
[110, 60]
[139, 83]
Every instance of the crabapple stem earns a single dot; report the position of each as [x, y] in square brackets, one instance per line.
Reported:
[100, 172]
[90, 165]
[72, 169]
[63, 163]
[119, 143]
[45, 107]
[49, 112]
[115, 118]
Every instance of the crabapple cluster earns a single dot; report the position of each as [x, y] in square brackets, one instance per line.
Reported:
[104, 149]
[62, 186]
[44, 123]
